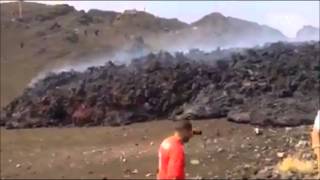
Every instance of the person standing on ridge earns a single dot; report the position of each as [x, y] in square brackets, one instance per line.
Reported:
[171, 152]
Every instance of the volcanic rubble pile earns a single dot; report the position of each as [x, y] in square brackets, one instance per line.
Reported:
[274, 85]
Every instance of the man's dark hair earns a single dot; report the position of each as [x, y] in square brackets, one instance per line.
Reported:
[183, 125]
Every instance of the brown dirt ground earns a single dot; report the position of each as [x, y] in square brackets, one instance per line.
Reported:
[67, 152]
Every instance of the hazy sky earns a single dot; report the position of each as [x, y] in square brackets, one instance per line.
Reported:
[287, 16]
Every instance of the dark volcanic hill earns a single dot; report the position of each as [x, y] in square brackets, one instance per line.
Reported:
[237, 30]
[215, 30]
[54, 36]
[308, 33]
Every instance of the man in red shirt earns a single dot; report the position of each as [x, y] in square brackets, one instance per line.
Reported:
[171, 152]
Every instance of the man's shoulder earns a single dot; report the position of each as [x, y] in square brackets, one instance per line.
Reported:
[171, 142]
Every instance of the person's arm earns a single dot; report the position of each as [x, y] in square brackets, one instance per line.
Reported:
[176, 163]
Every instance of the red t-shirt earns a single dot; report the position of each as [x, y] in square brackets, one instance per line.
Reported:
[171, 159]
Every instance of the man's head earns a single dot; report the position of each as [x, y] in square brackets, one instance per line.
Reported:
[184, 130]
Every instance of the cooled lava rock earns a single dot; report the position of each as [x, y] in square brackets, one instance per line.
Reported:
[273, 85]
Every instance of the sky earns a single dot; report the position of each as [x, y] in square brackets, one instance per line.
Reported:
[286, 16]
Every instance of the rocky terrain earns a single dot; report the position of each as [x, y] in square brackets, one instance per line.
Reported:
[273, 85]
[254, 105]
[225, 151]
[49, 37]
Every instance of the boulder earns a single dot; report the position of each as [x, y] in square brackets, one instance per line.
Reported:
[239, 117]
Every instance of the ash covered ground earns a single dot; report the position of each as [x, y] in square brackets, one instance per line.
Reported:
[273, 85]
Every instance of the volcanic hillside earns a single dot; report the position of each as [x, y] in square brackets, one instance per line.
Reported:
[272, 85]
[308, 33]
[55, 36]
[215, 30]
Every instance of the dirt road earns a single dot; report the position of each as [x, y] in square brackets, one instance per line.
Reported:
[224, 150]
